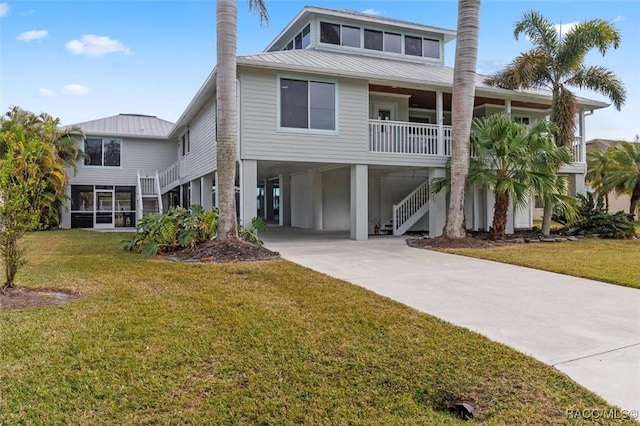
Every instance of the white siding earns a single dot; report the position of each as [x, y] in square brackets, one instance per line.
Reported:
[145, 155]
[201, 159]
[261, 140]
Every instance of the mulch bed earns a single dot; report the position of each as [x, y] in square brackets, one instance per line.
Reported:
[20, 298]
[480, 240]
[214, 251]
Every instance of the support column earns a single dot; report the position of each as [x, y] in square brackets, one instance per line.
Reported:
[216, 200]
[268, 199]
[437, 206]
[315, 183]
[248, 191]
[440, 122]
[577, 184]
[206, 188]
[359, 202]
[507, 106]
[196, 192]
[582, 153]
[285, 200]
[490, 203]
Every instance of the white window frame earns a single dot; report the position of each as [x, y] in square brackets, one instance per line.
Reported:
[308, 130]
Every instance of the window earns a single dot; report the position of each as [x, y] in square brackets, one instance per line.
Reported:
[102, 152]
[523, 120]
[373, 40]
[329, 33]
[412, 46]
[430, 48]
[340, 35]
[350, 36]
[302, 40]
[392, 43]
[307, 104]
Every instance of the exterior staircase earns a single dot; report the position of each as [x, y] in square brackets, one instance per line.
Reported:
[148, 195]
[410, 209]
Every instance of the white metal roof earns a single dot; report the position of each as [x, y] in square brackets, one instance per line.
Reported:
[127, 125]
[398, 72]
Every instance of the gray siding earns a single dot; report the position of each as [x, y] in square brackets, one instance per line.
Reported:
[201, 160]
[146, 155]
[261, 140]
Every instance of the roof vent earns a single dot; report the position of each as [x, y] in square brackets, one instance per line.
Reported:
[142, 129]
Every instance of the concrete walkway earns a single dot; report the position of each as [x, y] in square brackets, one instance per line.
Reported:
[587, 329]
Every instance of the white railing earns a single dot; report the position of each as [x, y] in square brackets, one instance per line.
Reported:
[158, 192]
[408, 211]
[169, 175]
[147, 185]
[401, 137]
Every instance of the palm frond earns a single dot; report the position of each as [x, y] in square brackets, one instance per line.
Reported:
[260, 8]
[540, 32]
[601, 80]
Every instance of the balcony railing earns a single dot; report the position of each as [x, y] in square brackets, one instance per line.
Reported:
[400, 137]
[577, 147]
[170, 175]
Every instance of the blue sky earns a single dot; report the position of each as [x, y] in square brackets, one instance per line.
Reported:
[83, 60]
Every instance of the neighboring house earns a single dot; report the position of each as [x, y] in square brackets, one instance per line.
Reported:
[105, 190]
[616, 202]
[344, 119]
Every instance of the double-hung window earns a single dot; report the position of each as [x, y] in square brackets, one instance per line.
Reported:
[103, 152]
[307, 104]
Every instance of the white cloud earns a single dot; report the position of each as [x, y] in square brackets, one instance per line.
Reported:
[563, 29]
[75, 89]
[33, 35]
[93, 45]
[372, 11]
[45, 92]
[4, 9]
[618, 18]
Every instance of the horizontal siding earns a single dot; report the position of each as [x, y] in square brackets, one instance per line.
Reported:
[142, 154]
[201, 160]
[261, 141]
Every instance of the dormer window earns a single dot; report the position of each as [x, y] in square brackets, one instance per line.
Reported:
[302, 40]
[340, 35]
[417, 46]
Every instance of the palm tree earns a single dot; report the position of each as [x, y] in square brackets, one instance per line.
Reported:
[557, 64]
[226, 110]
[510, 158]
[598, 165]
[462, 112]
[624, 175]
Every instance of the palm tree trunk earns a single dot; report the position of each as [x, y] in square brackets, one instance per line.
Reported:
[462, 112]
[500, 208]
[227, 116]
[546, 217]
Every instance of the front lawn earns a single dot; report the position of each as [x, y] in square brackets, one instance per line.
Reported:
[153, 342]
[613, 261]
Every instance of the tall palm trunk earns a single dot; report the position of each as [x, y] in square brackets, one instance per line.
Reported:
[462, 112]
[500, 211]
[227, 126]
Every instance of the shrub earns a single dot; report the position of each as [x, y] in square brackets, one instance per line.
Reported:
[592, 219]
[181, 228]
[176, 229]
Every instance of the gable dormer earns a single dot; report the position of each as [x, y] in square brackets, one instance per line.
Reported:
[363, 34]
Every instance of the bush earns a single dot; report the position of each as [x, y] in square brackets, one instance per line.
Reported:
[176, 229]
[592, 220]
[181, 228]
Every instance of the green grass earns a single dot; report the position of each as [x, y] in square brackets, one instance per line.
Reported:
[153, 342]
[612, 261]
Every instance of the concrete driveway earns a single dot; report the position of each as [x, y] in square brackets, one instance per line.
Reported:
[586, 329]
